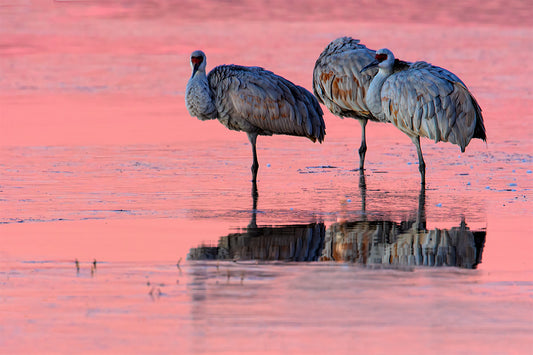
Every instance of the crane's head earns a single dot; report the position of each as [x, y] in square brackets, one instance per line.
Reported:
[198, 61]
[384, 59]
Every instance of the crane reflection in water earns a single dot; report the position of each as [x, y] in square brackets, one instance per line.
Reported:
[370, 243]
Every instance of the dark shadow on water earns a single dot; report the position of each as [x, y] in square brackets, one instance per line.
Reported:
[371, 243]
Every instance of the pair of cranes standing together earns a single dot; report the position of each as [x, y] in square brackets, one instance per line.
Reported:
[420, 99]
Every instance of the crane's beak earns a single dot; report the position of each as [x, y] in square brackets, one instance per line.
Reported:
[195, 69]
[373, 64]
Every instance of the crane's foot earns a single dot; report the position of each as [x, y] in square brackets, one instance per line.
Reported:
[362, 153]
[254, 169]
[422, 169]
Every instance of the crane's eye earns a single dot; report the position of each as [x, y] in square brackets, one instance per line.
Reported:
[381, 57]
[196, 60]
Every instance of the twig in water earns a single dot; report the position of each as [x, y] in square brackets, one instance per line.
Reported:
[178, 265]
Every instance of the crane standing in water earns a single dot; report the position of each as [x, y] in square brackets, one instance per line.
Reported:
[253, 100]
[423, 100]
[339, 84]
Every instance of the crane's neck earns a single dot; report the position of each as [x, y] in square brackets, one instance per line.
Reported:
[198, 97]
[373, 95]
[198, 78]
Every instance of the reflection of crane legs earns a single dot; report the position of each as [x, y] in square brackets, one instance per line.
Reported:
[421, 216]
[362, 148]
[255, 165]
[255, 195]
[362, 189]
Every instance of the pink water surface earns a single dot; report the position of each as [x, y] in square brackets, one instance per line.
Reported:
[99, 160]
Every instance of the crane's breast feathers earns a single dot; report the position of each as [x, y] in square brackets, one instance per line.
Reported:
[339, 84]
[431, 102]
[251, 98]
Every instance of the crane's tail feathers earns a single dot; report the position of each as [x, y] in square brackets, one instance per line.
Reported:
[479, 131]
[314, 126]
[314, 139]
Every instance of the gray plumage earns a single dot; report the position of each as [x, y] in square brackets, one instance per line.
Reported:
[423, 100]
[253, 100]
[339, 84]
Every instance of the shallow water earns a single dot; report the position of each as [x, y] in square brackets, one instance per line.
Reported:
[100, 161]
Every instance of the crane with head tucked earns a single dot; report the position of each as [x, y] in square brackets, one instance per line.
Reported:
[253, 100]
[339, 84]
[423, 100]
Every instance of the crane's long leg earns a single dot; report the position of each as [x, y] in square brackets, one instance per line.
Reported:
[255, 165]
[421, 163]
[255, 195]
[362, 148]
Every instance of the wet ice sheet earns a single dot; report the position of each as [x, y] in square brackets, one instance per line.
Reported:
[212, 181]
[138, 210]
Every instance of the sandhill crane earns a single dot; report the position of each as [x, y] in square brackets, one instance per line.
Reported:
[339, 84]
[424, 100]
[253, 100]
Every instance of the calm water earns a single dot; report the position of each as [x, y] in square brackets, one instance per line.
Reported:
[100, 162]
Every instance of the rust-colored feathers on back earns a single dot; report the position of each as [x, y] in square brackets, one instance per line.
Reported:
[337, 81]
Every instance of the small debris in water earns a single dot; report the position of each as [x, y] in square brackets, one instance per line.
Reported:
[513, 184]
[155, 293]
[439, 204]
[322, 167]
[268, 165]
[529, 171]
[178, 265]
[468, 183]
